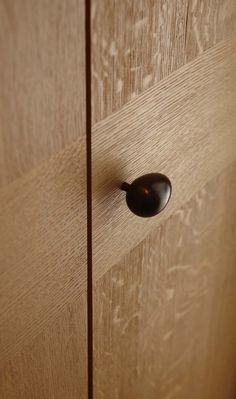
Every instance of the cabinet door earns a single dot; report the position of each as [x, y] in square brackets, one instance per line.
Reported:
[164, 288]
[43, 271]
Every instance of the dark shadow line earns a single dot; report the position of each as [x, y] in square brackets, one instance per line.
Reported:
[89, 196]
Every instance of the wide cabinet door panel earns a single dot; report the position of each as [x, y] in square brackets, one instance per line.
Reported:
[43, 261]
[164, 288]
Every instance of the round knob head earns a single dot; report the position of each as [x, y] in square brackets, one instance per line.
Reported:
[148, 195]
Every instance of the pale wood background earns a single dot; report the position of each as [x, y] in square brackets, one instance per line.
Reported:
[43, 260]
[164, 289]
[165, 314]
[137, 43]
[183, 126]
[42, 74]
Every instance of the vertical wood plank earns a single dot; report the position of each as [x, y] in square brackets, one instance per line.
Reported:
[42, 79]
[43, 261]
[53, 365]
[164, 316]
[162, 312]
[138, 43]
[208, 22]
[134, 44]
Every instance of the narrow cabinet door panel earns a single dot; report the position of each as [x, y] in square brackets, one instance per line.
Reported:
[43, 260]
[163, 100]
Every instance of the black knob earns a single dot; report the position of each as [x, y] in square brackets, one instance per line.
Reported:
[148, 195]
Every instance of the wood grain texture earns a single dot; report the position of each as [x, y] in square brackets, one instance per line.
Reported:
[164, 321]
[42, 79]
[137, 43]
[43, 260]
[184, 126]
[43, 270]
[207, 23]
[53, 365]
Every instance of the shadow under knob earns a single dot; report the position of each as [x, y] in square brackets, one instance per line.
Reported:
[148, 195]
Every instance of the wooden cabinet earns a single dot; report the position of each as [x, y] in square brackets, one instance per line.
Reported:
[95, 301]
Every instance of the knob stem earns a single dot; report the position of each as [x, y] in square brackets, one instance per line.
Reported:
[125, 186]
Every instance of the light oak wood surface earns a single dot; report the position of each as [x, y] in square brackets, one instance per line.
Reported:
[43, 247]
[137, 43]
[42, 79]
[163, 85]
[163, 99]
[53, 364]
[208, 22]
[165, 314]
[54, 194]
[43, 226]
[43, 214]
[43, 278]
[184, 126]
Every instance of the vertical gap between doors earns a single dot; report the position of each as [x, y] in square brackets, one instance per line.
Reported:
[89, 196]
